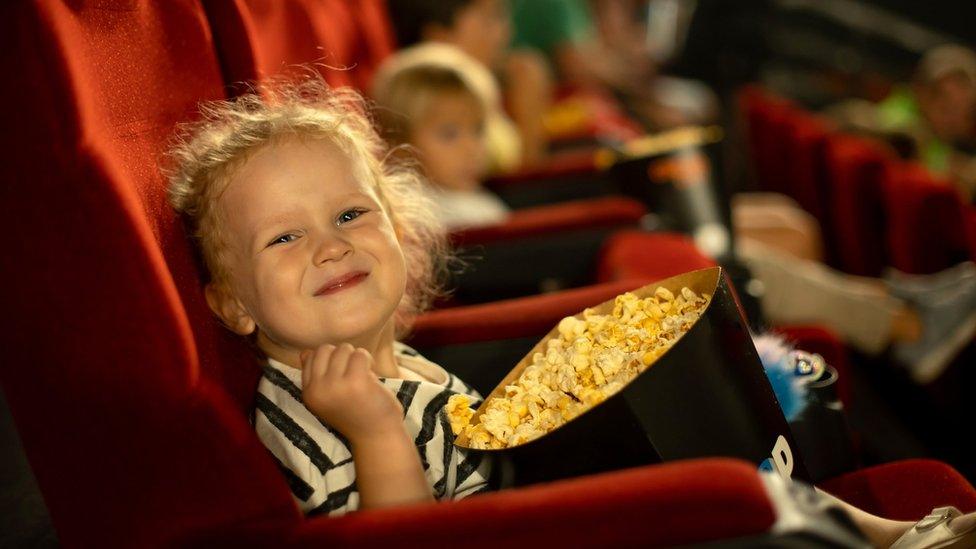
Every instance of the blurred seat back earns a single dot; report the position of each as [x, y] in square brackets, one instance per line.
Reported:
[855, 173]
[128, 397]
[345, 40]
[927, 226]
[766, 121]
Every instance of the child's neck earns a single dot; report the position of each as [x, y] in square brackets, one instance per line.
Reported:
[380, 347]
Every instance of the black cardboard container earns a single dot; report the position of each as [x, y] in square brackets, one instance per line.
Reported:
[708, 395]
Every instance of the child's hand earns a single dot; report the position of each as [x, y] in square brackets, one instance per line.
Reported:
[338, 386]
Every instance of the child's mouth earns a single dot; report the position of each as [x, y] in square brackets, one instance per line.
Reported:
[341, 283]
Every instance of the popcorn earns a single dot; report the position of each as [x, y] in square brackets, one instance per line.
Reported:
[585, 362]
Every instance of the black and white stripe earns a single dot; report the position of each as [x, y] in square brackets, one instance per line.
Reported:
[316, 461]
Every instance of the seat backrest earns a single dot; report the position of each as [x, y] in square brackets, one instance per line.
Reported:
[927, 229]
[855, 173]
[120, 382]
[807, 140]
[766, 118]
[346, 40]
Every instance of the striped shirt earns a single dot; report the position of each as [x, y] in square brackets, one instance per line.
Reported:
[315, 458]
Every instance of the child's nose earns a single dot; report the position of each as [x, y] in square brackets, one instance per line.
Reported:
[331, 248]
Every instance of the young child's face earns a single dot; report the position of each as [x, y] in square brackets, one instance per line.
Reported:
[450, 140]
[482, 29]
[312, 256]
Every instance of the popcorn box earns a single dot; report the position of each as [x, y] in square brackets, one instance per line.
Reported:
[706, 395]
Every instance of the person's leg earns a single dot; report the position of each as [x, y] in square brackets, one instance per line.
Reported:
[779, 223]
[799, 291]
[881, 532]
[953, 531]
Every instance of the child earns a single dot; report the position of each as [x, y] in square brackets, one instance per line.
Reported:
[482, 30]
[319, 252]
[435, 99]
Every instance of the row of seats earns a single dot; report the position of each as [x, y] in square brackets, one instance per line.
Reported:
[874, 209]
[132, 403]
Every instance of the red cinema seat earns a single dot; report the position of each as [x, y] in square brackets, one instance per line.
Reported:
[538, 249]
[855, 173]
[345, 39]
[904, 490]
[132, 412]
[650, 256]
[607, 212]
[766, 120]
[806, 173]
[927, 226]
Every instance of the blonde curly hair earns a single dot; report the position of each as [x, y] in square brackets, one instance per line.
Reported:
[207, 153]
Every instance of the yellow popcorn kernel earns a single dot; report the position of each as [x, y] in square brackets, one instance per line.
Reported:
[688, 294]
[580, 362]
[567, 328]
[593, 397]
[563, 402]
[598, 377]
[513, 419]
[459, 412]
[648, 358]
[480, 439]
[522, 410]
[554, 357]
[663, 293]
[582, 345]
[554, 344]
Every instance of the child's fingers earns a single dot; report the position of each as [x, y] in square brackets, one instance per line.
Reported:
[360, 362]
[339, 361]
[319, 362]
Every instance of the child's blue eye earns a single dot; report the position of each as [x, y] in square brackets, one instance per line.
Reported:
[350, 215]
[283, 239]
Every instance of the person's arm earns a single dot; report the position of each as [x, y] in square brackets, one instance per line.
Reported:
[338, 386]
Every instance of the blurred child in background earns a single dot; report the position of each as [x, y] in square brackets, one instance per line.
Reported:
[439, 101]
[481, 29]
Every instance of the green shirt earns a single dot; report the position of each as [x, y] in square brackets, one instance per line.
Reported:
[899, 112]
[546, 24]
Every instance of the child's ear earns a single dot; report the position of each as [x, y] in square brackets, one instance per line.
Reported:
[229, 309]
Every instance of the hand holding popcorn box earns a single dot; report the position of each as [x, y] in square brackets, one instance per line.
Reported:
[667, 371]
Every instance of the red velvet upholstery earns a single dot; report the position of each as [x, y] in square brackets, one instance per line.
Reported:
[520, 317]
[651, 256]
[345, 39]
[662, 506]
[806, 177]
[611, 211]
[766, 120]
[117, 378]
[927, 226]
[855, 173]
[565, 164]
[904, 490]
